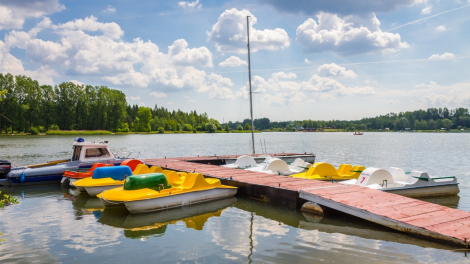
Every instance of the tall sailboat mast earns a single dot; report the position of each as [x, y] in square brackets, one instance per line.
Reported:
[249, 80]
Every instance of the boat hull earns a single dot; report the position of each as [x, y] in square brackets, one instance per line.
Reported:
[95, 190]
[36, 179]
[426, 191]
[49, 174]
[173, 201]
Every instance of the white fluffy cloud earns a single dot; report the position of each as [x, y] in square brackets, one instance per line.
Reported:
[445, 56]
[332, 33]
[134, 98]
[181, 55]
[229, 34]
[233, 61]
[77, 82]
[188, 4]
[282, 87]
[104, 54]
[307, 61]
[217, 87]
[14, 12]
[158, 95]
[335, 70]
[441, 28]
[437, 100]
[450, 96]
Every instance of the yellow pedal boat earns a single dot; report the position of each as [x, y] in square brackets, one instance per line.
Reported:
[153, 192]
[105, 178]
[324, 171]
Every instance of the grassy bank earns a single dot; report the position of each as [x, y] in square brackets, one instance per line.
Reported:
[78, 132]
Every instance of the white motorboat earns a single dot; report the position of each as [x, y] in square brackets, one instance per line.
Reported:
[410, 184]
[84, 155]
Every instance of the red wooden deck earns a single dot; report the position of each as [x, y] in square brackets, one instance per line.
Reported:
[395, 211]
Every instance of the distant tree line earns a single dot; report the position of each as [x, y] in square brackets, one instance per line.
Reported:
[430, 119]
[27, 106]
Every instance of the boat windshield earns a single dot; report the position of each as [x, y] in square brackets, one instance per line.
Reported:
[96, 152]
[76, 153]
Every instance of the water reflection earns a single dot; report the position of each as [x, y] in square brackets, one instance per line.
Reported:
[336, 223]
[155, 224]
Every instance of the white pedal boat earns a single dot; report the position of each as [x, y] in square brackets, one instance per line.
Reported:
[243, 162]
[279, 167]
[412, 184]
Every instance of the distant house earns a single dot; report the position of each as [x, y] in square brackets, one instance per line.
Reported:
[443, 128]
[407, 129]
[387, 129]
[380, 129]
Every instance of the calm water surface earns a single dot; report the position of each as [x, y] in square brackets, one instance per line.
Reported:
[54, 225]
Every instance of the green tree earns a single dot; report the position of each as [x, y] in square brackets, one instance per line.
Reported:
[446, 122]
[227, 128]
[240, 128]
[247, 126]
[145, 115]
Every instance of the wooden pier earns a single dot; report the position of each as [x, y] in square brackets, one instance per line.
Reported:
[408, 215]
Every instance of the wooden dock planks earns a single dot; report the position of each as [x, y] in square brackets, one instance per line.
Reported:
[398, 212]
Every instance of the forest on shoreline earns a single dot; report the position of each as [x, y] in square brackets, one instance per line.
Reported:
[28, 107]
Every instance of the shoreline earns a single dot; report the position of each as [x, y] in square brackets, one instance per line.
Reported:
[76, 133]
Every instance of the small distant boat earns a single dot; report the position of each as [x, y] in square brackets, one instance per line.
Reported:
[358, 133]
[412, 184]
[325, 171]
[153, 192]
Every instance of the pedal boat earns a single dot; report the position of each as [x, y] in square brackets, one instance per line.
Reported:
[243, 162]
[106, 178]
[412, 184]
[152, 192]
[71, 176]
[326, 172]
[279, 167]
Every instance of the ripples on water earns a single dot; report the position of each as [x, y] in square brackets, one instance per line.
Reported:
[54, 225]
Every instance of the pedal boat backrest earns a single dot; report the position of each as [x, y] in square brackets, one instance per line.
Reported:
[344, 169]
[172, 177]
[399, 174]
[375, 176]
[245, 161]
[117, 173]
[196, 181]
[276, 165]
[322, 169]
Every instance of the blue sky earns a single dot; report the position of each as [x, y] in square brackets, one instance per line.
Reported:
[310, 59]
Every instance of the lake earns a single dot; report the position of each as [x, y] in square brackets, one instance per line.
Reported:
[56, 225]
